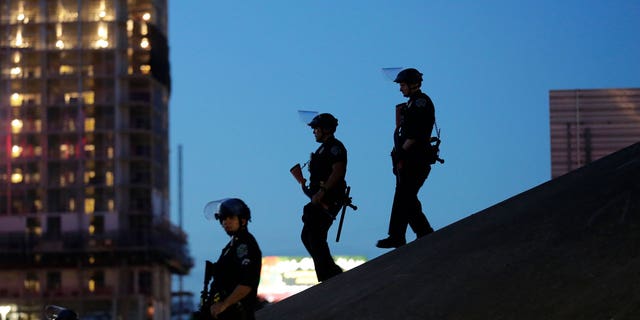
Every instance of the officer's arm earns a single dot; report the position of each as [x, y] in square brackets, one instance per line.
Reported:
[338, 172]
[238, 293]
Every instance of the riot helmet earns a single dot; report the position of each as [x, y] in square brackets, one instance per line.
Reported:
[324, 120]
[409, 76]
[221, 209]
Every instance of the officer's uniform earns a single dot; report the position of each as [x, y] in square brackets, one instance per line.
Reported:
[416, 122]
[239, 264]
[317, 220]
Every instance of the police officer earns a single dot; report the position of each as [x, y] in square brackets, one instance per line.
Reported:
[411, 159]
[237, 271]
[327, 170]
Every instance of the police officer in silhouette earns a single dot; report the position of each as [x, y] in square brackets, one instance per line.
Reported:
[411, 159]
[327, 170]
[237, 271]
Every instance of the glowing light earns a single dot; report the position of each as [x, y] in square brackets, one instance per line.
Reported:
[102, 32]
[16, 151]
[16, 71]
[144, 43]
[20, 16]
[60, 44]
[19, 42]
[102, 43]
[16, 125]
[4, 310]
[16, 57]
[16, 177]
[145, 68]
[102, 14]
[146, 16]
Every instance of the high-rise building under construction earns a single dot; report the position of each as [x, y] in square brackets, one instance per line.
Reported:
[84, 159]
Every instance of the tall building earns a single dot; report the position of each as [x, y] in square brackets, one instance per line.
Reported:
[589, 124]
[84, 159]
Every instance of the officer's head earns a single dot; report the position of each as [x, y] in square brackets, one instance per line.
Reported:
[323, 125]
[232, 213]
[410, 80]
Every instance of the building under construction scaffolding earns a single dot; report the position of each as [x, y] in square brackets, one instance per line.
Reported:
[588, 124]
[84, 159]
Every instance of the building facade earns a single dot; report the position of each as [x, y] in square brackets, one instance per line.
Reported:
[84, 159]
[589, 124]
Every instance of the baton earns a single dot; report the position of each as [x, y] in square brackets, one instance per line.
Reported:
[347, 203]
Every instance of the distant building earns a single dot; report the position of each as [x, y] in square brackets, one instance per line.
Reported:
[84, 159]
[589, 124]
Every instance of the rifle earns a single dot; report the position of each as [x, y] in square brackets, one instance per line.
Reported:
[206, 300]
[296, 171]
[346, 203]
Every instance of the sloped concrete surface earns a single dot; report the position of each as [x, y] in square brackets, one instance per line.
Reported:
[567, 249]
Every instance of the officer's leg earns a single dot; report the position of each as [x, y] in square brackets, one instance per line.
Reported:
[317, 229]
[416, 217]
[398, 220]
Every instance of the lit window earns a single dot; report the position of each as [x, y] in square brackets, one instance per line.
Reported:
[16, 151]
[72, 204]
[16, 125]
[145, 68]
[90, 207]
[15, 72]
[144, 29]
[109, 178]
[92, 285]
[66, 69]
[111, 205]
[144, 43]
[89, 175]
[110, 152]
[16, 100]
[16, 176]
[89, 125]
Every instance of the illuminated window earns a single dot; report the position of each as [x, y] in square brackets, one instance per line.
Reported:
[90, 150]
[109, 178]
[90, 124]
[73, 97]
[145, 68]
[16, 176]
[111, 205]
[65, 69]
[89, 175]
[15, 72]
[16, 125]
[144, 29]
[16, 100]
[90, 207]
[129, 27]
[110, 152]
[67, 151]
[31, 282]
[16, 151]
[72, 204]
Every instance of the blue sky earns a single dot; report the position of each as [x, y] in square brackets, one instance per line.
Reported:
[242, 69]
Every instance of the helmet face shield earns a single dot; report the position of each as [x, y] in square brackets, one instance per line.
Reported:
[227, 207]
[391, 73]
[307, 116]
[212, 210]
